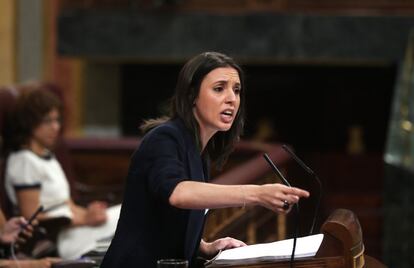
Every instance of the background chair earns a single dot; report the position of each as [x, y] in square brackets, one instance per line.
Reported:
[7, 99]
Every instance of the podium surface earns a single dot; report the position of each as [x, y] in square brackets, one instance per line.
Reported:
[342, 247]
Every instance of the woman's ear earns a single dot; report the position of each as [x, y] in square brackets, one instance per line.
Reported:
[194, 100]
[193, 96]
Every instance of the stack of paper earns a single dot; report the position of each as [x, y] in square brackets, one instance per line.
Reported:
[281, 250]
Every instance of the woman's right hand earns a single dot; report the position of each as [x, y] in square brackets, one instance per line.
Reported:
[13, 227]
[273, 196]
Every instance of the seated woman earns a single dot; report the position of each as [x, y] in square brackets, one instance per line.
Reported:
[34, 177]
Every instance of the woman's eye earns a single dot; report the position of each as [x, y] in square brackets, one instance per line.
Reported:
[218, 89]
[237, 90]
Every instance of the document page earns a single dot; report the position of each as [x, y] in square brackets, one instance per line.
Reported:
[305, 247]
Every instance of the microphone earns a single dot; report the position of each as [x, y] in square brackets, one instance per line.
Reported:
[310, 171]
[276, 170]
[285, 181]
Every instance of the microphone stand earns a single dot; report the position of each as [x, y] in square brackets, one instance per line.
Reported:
[296, 205]
[312, 173]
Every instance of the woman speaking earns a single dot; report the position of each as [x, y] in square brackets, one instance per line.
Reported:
[167, 188]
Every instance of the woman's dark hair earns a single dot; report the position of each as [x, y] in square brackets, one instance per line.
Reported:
[34, 102]
[186, 91]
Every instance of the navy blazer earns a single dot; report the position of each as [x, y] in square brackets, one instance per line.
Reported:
[149, 228]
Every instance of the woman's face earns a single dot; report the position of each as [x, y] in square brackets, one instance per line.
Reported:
[218, 101]
[46, 133]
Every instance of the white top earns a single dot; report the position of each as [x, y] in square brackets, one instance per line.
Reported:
[25, 169]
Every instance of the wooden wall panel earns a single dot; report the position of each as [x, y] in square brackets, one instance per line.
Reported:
[7, 42]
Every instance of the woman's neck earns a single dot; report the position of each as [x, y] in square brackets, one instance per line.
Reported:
[37, 148]
[204, 132]
[205, 137]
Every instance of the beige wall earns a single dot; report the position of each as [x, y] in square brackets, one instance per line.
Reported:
[21, 41]
[28, 52]
[7, 42]
[30, 40]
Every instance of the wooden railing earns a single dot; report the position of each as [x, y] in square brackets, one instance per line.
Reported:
[319, 6]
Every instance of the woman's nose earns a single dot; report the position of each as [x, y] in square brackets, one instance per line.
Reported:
[231, 95]
[56, 125]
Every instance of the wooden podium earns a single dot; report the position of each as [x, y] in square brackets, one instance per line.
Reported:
[342, 246]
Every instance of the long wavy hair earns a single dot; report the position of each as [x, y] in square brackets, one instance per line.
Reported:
[187, 89]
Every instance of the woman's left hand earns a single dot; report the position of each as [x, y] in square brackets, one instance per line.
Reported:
[96, 213]
[212, 248]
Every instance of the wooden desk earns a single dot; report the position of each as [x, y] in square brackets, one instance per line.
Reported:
[342, 247]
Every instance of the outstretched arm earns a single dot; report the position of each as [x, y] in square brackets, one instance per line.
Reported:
[200, 195]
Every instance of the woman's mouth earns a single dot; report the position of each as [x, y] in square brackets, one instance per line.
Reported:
[227, 116]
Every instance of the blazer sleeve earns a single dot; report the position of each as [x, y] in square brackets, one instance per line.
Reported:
[165, 153]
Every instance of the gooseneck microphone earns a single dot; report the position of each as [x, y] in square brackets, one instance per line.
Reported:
[310, 171]
[276, 170]
[285, 181]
